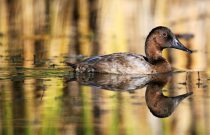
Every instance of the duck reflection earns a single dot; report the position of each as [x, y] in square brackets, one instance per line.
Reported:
[159, 105]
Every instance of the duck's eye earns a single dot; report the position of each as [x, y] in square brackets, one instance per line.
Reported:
[164, 34]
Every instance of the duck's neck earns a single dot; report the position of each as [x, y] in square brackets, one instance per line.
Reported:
[153, 52]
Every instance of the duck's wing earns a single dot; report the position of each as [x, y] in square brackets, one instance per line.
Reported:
[117, 63]
[93, 60]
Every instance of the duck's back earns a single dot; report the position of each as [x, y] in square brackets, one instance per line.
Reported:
[117, 63]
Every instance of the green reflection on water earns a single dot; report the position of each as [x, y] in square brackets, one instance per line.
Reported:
[114, 126]
[51, 107]
[87, 111]
[6, 110]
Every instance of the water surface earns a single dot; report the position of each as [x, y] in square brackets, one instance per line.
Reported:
[56, 101]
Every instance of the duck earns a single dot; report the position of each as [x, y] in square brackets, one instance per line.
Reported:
[159, 38]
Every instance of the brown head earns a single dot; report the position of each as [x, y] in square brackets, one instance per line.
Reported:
[160, 38]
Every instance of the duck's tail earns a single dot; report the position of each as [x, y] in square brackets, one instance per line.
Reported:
[74, 66]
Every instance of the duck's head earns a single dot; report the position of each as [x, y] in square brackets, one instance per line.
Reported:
[162, 37]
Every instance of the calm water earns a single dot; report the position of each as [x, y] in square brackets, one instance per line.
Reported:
[51, 100]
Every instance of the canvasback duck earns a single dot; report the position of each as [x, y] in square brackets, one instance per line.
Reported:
[129, 63]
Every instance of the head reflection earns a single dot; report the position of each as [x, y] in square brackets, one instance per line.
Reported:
[159, 105]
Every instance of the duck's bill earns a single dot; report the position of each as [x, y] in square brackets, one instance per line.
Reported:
[180, 46]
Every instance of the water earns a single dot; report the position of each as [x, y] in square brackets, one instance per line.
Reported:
[54, 100]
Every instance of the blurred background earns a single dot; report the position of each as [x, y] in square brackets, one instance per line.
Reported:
[38, 36]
